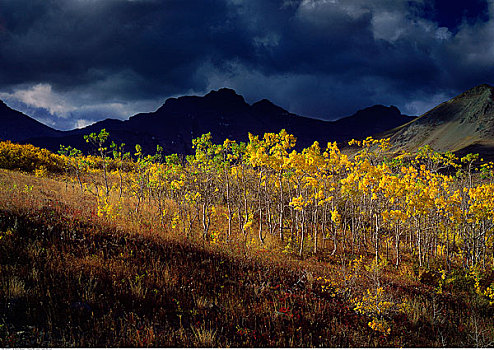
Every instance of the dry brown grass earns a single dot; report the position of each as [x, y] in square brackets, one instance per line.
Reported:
[71, 278]
[204, 336]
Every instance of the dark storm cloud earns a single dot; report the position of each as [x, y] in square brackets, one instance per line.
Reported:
[69, 43]
[75, 61]
[451, 14]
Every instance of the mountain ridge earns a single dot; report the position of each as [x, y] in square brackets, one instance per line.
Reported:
[463, 122]
[225, 114]
[16, 126]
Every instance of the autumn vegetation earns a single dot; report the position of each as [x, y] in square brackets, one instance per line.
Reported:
[245, 244]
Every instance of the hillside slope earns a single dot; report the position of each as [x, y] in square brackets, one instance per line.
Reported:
[16, 126]
[463, 124]
[71, 278]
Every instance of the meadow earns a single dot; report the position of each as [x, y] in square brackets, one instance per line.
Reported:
[245, 244]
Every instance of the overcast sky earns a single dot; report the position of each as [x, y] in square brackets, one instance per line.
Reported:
[70, 62]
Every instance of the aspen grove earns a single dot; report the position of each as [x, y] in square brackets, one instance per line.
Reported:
[435, 208]
[366, 210]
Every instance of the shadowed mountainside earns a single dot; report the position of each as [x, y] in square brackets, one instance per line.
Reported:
[16, 126]
[225, 114]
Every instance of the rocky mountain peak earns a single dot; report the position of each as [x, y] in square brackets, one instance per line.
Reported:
[225, 97]
[265, 106]
[484, 90]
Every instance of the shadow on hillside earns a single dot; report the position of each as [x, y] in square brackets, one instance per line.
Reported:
[79, 285]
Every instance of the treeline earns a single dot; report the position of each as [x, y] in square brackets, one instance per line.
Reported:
[435, 208]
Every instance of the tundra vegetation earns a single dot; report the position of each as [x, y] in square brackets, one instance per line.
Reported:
[245, 244]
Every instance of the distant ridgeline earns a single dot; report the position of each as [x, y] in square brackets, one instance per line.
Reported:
[223, 113]
[464, 124]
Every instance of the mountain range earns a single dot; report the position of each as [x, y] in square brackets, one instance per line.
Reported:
[224, 113]
[463, 124]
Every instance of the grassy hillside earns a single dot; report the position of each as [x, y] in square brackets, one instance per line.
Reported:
[463, 124]
[72, 279]
[81, 267]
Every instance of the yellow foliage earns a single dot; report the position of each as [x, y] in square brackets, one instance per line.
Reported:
[28, 158]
